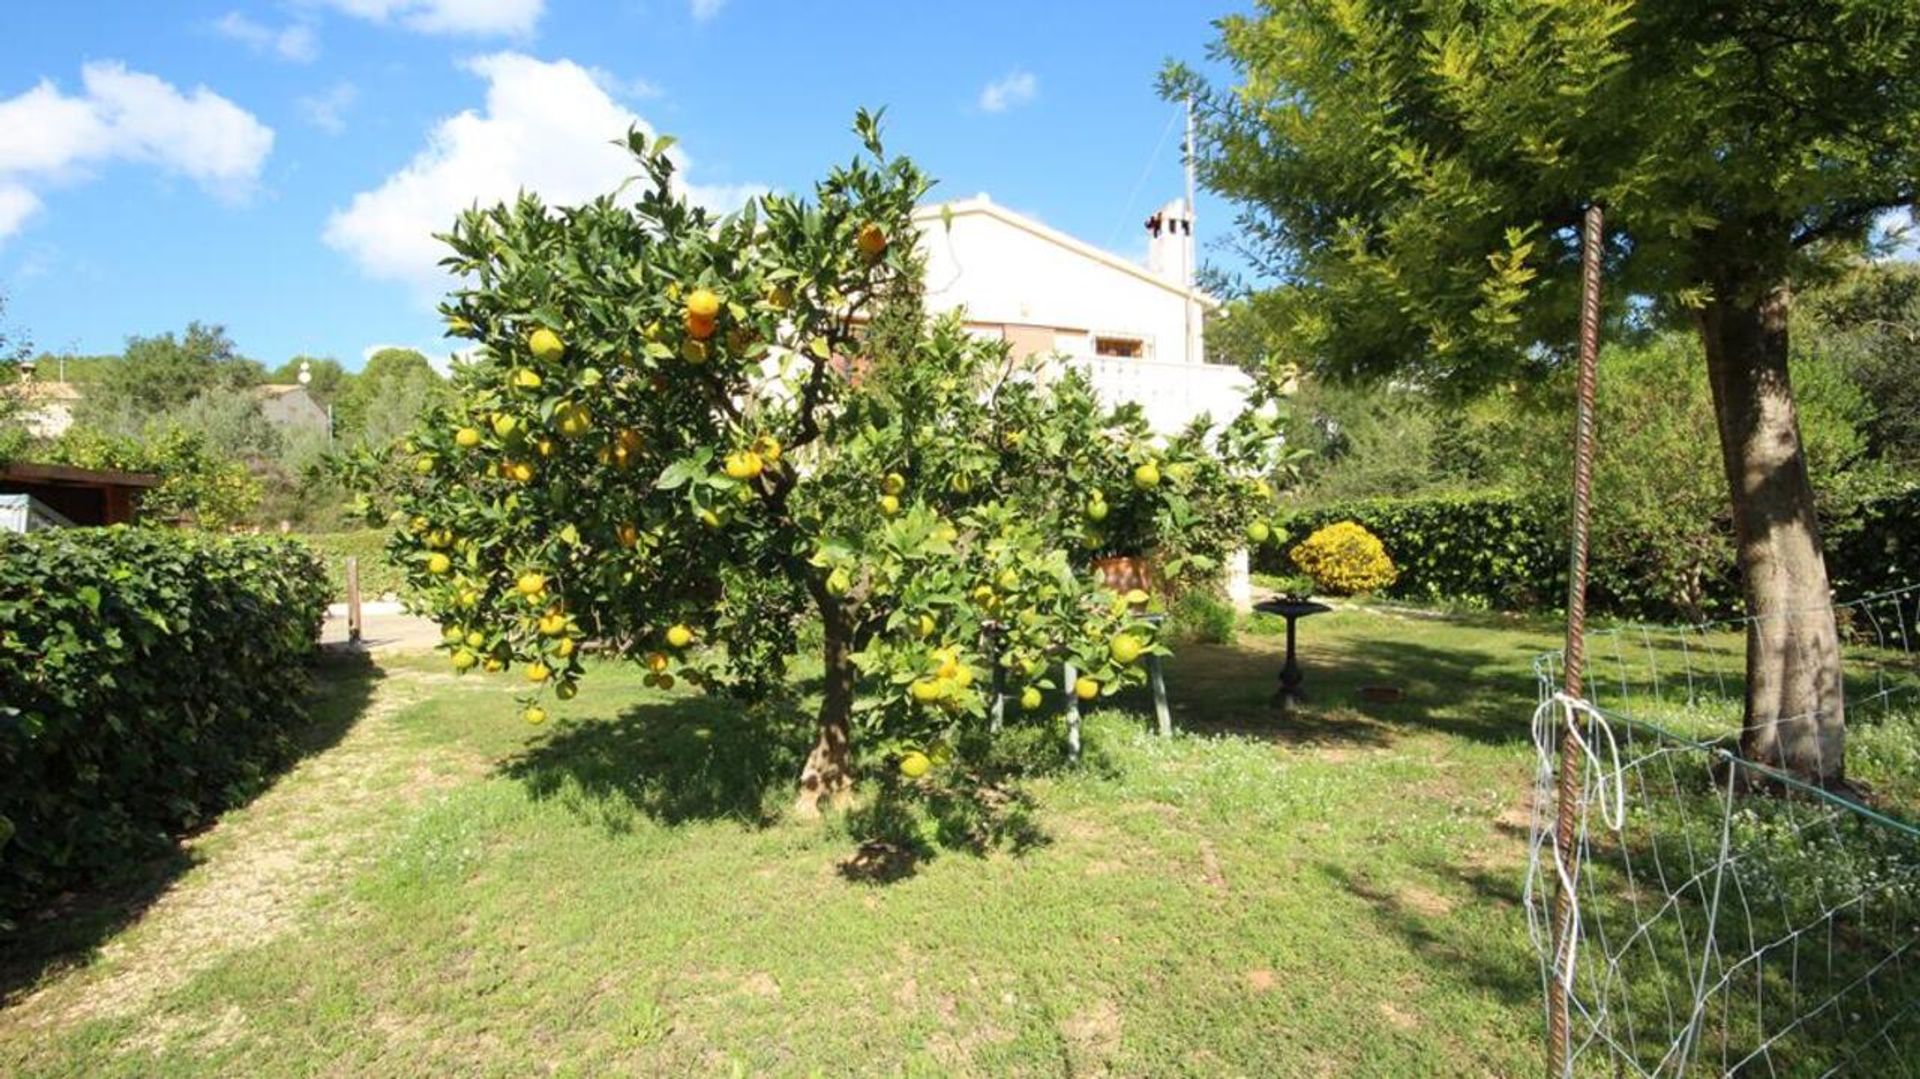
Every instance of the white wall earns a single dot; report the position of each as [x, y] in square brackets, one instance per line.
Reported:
[1003, 273]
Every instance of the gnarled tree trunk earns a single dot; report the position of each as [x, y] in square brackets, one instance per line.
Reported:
[827, 778]
[1795, 709]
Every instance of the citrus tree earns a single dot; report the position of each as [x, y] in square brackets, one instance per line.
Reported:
[681, 437]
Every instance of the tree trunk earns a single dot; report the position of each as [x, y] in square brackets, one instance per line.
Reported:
[827, 778]
[1795, 708]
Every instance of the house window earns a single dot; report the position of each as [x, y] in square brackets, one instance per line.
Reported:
[1131, 348]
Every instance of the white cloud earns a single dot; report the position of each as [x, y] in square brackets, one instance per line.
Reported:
[48, 137]
[327, 110]
[515, 18]
[294, 42]
[707, 9]
[1017, 88]
[547, 127]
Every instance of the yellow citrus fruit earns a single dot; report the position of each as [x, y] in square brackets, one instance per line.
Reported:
[694, 351]
[1259, 532]
[915, 764]
[699, 328]
[464, 660]
[1147, 476]
[519, 471]
[452, 635]
[438, 563]
[657, 661]
[889, 505]
[743, 464]
[467, 437]
[767, 447]
[838, 582]
[538, 671]
[527, 378]
[983, 595]
[627, 533]
[534, 714]
[553, 624]
[1008, 580]
[543, 446]
[424, 465]
[780, 296]
[679, 636]
[925, 626]
[925, 690]
[872, 241]
[439, 538]
[494, 664]
[504, 425]
[962, 483]
[531, 584]
[1125, 648]
[574, 419]
[564, 648]
[1030, 698]
[893, 483]
[1086, 688]
[1097, 509]
[703, 303]
[475, 638]
[546, 345]
[567, 691]
[710, 519]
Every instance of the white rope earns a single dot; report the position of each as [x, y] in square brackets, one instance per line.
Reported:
[1608, 779]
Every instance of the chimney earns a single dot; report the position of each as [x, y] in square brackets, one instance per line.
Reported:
[1170, 243]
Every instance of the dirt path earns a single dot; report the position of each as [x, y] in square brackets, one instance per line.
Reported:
[259, 868]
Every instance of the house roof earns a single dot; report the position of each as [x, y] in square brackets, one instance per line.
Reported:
[981, 205]
[276, 389]
[33, 472]
[49, 391]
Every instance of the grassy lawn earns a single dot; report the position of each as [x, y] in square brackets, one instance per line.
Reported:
[440, 889]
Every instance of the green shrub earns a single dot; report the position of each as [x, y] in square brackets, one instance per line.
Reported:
[1197, 615]
[148, 679]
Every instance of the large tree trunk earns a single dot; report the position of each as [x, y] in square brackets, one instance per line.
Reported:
[1795, 709]
[827, 778]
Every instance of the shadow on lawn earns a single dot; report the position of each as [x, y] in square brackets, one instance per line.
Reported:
[691, 758]
[1439, 940]
[1468, 692]
[70, 931]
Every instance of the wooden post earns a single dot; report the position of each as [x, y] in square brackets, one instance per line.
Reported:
[1161, 712]
[353, 600]
[1068, 676]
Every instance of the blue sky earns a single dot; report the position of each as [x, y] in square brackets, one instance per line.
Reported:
[275, 165]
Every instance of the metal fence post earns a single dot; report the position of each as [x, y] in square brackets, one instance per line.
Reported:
[353, 600]
[1568, 779]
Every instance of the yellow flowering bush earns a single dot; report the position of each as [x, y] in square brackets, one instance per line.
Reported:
[1343, 558]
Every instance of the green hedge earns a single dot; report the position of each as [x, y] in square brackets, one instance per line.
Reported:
[1497, 550]
[1489, 550]
[377, 575]
[148, 679]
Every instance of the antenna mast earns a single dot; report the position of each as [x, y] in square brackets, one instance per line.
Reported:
[1193, 353]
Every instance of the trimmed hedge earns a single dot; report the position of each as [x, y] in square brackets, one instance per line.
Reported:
[1489, 550]
[148, 679]
[1496, 550]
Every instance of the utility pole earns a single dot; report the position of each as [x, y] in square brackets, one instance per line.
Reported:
[1192, 248]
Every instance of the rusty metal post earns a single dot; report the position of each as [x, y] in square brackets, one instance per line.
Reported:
[1575, 652]
[353, 600]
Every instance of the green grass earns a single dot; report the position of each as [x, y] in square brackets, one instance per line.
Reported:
[452, 892]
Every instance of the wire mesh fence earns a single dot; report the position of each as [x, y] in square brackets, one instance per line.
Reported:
[1730, 918]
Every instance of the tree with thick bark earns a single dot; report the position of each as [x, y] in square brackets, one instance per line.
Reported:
[690, 440]
[1413, 175]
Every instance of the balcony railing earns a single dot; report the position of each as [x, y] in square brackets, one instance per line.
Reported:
[1171, 394]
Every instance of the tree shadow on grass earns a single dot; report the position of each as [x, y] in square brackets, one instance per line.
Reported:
[69, 931]
[687, 759]
[1438, 940]
[901, 830]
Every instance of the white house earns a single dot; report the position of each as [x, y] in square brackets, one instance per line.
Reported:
[288, 404]
[1136, 330]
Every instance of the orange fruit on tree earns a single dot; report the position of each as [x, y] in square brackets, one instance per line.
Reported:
[872, 241]
[699, 326]
[703, 303]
